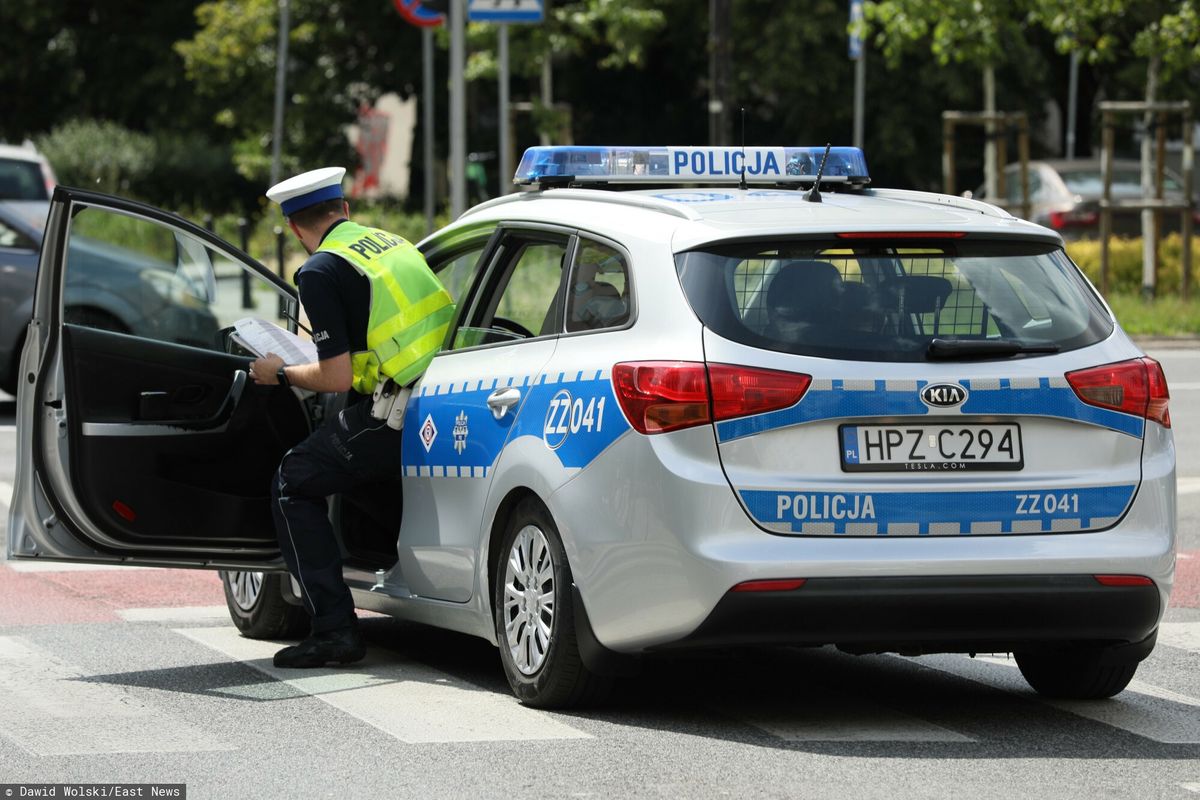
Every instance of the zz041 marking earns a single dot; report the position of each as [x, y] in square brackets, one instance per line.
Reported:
[1048, 503]
[566, 415]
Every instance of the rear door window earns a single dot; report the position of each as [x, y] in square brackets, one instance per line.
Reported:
[884, 301]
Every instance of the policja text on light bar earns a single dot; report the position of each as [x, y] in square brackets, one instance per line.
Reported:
[689, 165]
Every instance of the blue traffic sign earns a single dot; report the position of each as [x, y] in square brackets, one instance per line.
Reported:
[505, 10]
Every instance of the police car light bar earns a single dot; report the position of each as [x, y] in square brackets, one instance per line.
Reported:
[682, 165]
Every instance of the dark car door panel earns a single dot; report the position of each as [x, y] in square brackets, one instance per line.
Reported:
[193, 466]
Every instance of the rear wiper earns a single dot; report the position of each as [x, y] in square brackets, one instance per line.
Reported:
[945, 349]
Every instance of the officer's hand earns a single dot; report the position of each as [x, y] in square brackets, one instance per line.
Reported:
[263, 370]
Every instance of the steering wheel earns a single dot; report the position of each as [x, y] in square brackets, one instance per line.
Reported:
[506, 324]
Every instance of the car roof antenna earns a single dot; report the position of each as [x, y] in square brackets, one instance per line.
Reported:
[742, 182]
[813, 195]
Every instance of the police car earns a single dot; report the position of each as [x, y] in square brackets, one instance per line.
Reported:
[693, 397]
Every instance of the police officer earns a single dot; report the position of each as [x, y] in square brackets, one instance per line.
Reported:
[378, 316]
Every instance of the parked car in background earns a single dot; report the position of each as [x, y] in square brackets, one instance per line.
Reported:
[25, 174]
[110, 287]
[1065, 195]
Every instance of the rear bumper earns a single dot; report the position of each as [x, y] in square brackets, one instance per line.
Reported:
[993, 613]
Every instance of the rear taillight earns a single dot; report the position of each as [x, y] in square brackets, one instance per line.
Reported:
[1137, 386]
[661, 396]
[741, 391]
[1073, 219]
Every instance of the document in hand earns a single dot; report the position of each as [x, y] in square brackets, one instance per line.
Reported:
[261, 337]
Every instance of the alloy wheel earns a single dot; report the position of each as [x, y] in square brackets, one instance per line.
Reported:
[529, 599]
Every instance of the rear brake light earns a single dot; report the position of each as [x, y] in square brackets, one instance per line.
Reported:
[1137, 386]
[902, 235]
[1123, 580]
[1073, 219]
[742, 391]
[661, 396]
[775, 585]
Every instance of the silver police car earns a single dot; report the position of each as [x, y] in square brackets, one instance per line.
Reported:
[693, 398]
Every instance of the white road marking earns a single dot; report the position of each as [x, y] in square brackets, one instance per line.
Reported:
[409, 701]
[1191, 787]
[177, 614]
[1183, 635]
[831, 716]
[6, 493]
[1190, 386]
[1187, 485]
[51, 709]
[1139, 709]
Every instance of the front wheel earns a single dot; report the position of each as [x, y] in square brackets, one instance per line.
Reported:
[256, 606]
[1069, 675]
[535, 622]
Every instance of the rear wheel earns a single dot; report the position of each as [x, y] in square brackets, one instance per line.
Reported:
[535, 616]
[1072, 675]
[256, 606]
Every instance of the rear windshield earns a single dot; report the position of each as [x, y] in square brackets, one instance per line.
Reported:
[884, 301]
[21, 180]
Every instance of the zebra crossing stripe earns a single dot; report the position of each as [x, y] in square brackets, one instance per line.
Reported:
[412, 702]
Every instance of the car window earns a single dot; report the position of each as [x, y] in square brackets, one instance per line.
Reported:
[598, 290]
[139, 276]
[1012, 186]
[21, 180]
[522, 298]
[887, 302]
[1125, 183]
[11, 237]
[457, 271]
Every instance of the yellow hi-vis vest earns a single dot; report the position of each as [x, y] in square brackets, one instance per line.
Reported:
[410, 309]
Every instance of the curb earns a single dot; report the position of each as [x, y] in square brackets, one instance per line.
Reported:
[1167, 342]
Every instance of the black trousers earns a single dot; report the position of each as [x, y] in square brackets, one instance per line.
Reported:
[349, 450]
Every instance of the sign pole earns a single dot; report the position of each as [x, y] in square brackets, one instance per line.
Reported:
[458, 109]
[505, 161]
[280, 85]
[859, 56]
[427, 121]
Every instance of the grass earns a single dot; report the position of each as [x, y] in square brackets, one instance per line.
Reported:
[1162, 316]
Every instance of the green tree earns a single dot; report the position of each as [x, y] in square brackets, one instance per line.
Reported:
[985, 34]
[342, 55]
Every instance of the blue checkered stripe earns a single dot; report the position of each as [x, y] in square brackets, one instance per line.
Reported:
[939, 513]
[468, 440]
[847, 399]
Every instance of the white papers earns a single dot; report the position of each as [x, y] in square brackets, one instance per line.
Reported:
[261, 337]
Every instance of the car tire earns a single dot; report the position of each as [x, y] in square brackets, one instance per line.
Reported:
[256, 606]
[1071, 675]
[541, 660]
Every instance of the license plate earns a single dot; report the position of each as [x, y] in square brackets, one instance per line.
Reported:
[935, 448]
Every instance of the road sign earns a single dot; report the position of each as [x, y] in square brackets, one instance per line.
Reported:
[505, 10]
[856, 15]
[417, 14]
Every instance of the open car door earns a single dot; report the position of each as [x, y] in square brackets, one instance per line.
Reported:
[142, 439]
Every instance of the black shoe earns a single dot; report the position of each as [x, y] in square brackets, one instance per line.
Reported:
[343, 646]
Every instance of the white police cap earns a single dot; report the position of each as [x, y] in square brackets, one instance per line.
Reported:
[307, 189]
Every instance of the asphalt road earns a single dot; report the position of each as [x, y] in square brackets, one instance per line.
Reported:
[136, 675]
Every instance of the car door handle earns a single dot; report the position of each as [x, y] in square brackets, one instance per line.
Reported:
[501, 400]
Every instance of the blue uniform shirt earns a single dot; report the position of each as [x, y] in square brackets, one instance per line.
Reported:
[337, 299]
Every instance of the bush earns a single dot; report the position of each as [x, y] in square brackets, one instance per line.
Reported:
[1125, 263]
[97, 154]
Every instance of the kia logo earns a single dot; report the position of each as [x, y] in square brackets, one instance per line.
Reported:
[943, 395]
